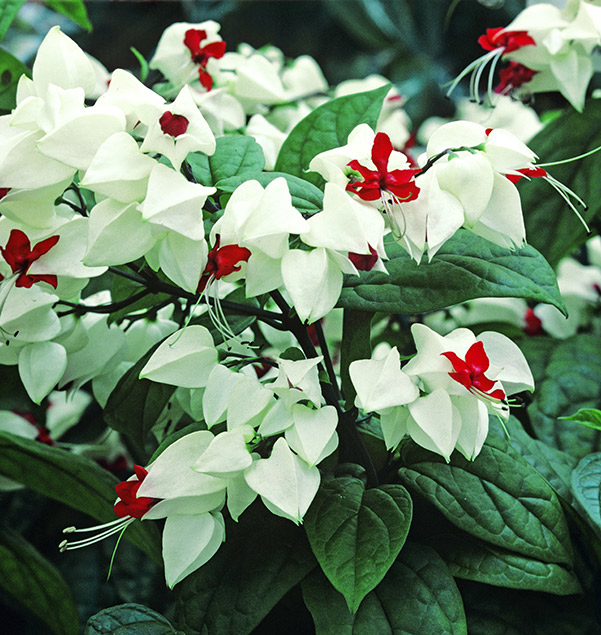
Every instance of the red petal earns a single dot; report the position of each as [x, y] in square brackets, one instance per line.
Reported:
[483, 383]
[458, 364]
[477, 359]
[214, 49]
[463, 378]
[381, 151]
[205, 79]
[27, 280]
[17, 249]
[43, 247]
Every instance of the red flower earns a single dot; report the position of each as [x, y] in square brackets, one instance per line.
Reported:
[130, 505]
[399, 183]
[202, 54]
[532, 324]
[531, 172]
[20, 256]
[221, 262]
[508, 40]
[470, 373]
[364, 262]
[513, 76]
[173, 125]
[3, 192]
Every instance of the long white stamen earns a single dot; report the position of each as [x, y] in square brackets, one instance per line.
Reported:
[471, 68]
[576, 158]
[491, 75]
[477, 76]
[563, 191]
[73, 530]
[86, 542]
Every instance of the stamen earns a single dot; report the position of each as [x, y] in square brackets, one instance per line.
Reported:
[470, 68]
[73, 530]
[576, 158]
[565, 193]
[85, 542]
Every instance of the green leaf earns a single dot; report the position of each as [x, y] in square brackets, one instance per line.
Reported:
[586, 485]
[306, 197]
[551, 226]
[556, 466]
[8, 12]
[36, 584]
[11, 70]
[135, 404]
[262, 559]
[73, 9]
[498, 498]
[465, 267]
[473, 559]
[496, 611]
[417, 596]
[325, 128]
[590, 417]
[124, 619]
[566, 375]
[356, 534]
[233, 156]
[70, 479]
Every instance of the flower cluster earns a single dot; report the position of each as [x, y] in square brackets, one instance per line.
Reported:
[103, 177]
[442, 397]
[547, 49]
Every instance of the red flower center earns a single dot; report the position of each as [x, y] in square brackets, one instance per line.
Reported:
[513, 76]
[364, 262]
[221, 262]
[173, 125]
[508, 40]
[130, 504]
[470, 372]
[19, 255]
[399, 183]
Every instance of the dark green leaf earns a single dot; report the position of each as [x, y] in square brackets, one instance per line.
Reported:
[74, 9]
[590, 417]
[135, 404]
[498, 498]
[70, 479]
[473, 559]
[556, 466]
[495, 611]
[306, 197]
[36, 584]
[418, 596]
[233, 156]
[586, 485]
[124, 619]
[262, 559]
[11, 70]
[465, 267]
[566, 375]
[8, 12]
[325, 128]
[356, 534]
[551, 226]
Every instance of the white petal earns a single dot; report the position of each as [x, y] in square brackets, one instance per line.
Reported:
[184, 359]
[41, 365]
[188, 543]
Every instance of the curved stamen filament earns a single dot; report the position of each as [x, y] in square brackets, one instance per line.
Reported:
[109, 530]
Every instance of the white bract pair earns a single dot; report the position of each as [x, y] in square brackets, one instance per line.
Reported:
[443, 396]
